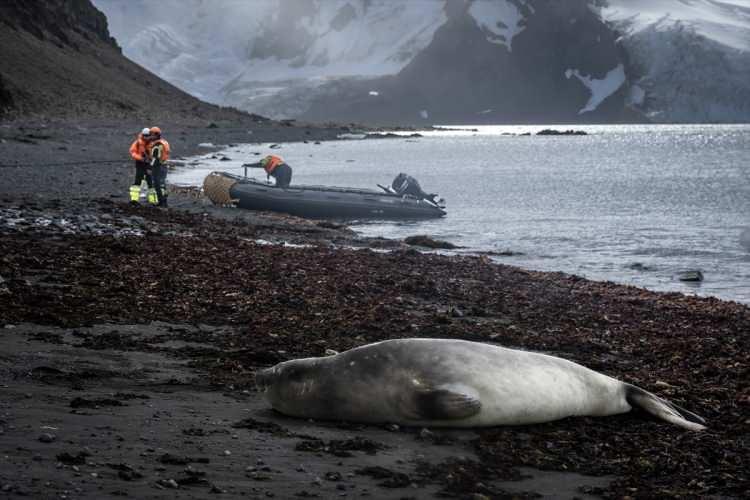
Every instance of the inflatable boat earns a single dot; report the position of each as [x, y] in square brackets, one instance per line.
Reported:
[319, 201]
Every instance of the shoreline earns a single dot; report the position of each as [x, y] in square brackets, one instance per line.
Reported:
[153, 322]
[657, 267]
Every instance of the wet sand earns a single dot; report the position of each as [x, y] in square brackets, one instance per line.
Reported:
[130, 336]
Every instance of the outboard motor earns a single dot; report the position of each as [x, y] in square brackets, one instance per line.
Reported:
[405, 184]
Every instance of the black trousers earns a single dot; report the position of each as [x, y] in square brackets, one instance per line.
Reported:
[283, 175]
[159, 173]
[140, 173]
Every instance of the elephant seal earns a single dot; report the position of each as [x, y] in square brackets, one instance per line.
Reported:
[452, 383]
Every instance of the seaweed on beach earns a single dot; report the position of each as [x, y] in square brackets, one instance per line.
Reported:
[261, 304]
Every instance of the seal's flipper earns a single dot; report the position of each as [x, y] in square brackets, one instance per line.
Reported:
[663, 409]
[443, 404]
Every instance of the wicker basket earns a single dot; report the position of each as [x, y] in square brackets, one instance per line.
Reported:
[217, 187]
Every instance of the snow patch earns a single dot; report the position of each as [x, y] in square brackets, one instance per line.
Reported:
[600, 89]
[501, 19]
[726, 21]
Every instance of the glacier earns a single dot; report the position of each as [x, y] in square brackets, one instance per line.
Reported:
[686, 60]
[691, 58]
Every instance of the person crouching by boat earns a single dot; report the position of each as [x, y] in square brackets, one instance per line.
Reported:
[138, 151]
[406, 184]
[158, 154]
[277, 168]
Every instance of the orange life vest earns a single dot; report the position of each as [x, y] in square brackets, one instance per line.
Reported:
[138, 148]
[271, 163]
[160, 147]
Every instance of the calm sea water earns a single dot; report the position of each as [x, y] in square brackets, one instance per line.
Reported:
[630, 204]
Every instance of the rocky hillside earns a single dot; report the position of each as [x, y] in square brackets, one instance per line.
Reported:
[60, 61]
[451, 61]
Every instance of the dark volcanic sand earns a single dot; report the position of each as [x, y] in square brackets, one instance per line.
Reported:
[131, 334]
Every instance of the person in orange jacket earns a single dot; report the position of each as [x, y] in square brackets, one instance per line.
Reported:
[277, 168]
[138, 151]
[157, 152]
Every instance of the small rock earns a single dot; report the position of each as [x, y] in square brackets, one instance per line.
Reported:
[479, 496]
[47, 438]
[333, 476]
[456, 312]
[426, 434]
[425, 241]
[690, 276]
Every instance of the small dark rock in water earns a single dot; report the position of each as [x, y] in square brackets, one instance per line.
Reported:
[502, 253]
[548, 131]
[330, 225]
[691, 276]
[637, 266]
[426, 241]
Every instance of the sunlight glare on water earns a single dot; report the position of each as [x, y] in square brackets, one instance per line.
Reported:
[634, 204]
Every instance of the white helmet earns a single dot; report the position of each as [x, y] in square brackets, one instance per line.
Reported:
[145, 131]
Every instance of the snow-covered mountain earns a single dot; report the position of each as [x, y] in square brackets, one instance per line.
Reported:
[426, 61]
[690, 59]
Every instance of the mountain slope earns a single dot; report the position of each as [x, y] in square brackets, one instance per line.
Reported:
[423, 61]
[690, 62]
[59, 60]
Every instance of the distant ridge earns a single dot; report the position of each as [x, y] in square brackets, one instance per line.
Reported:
[59, 61]
[420, 62]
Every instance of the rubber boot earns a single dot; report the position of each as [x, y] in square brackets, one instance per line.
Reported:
[135, 194]
[152, 196]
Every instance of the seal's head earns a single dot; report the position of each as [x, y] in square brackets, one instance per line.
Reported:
[289, 385]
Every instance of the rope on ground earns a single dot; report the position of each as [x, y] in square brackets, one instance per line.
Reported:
[59, 164]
